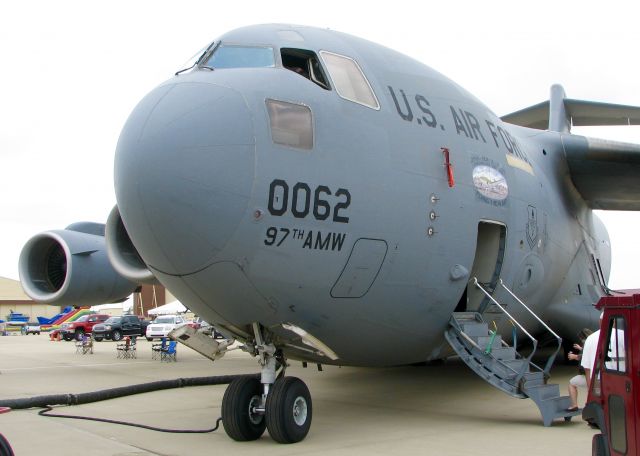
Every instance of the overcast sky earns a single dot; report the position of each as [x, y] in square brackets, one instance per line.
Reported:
[71, 72]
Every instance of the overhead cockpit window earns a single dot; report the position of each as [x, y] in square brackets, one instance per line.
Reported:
[349, 80]
[306, 64]
[291, 124]
[234, 56]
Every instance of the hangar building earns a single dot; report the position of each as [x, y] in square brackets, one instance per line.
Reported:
[12, 298]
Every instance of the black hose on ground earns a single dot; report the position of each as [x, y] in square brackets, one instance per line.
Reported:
[112, 393]
[95, 396]
[46, 411]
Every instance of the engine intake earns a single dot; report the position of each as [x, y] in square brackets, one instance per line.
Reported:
[123, 254]
[71, 267]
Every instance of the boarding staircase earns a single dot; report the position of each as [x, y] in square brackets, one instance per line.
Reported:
[500, 364]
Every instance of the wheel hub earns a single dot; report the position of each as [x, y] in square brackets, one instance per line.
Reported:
[254, 416]
[300, 410]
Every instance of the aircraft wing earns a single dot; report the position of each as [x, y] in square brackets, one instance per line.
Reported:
[606, 173]
[579, 112]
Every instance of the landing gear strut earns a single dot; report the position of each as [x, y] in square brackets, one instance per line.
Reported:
[280, 404]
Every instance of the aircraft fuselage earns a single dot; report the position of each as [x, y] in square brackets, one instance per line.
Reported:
[367, 232]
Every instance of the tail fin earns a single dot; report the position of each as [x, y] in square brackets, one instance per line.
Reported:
[561, 113]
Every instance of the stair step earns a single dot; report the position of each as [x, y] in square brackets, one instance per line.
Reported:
[517, 364]
[462, 316]
[504, 353]
[474, 329]
[534, 379]
[543, 392]
[484, 341]
[562, 403]
[555, 408]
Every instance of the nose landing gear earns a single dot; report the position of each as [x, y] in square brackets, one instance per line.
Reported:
[280, 404]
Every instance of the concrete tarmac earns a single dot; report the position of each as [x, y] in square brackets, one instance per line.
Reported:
[430, 410]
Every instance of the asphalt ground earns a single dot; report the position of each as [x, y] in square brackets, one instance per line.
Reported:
[431, 410]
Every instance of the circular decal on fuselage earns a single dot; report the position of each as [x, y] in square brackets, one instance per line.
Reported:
[490, 183]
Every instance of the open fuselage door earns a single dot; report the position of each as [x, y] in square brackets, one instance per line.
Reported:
[487, 266]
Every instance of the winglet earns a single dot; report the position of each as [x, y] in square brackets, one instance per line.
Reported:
[558, 119]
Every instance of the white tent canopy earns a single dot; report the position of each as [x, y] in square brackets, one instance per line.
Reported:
[173, 307]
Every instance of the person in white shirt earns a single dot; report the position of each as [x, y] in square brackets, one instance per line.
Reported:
[577, 381]
[589, 356]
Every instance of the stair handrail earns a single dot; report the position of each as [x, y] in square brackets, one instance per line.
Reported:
[516, 322]
[552, 358]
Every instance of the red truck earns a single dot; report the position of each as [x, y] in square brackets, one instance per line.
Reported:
[83, 325]
[613, 404]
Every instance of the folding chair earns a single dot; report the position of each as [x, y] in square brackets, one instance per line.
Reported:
[132, 352]
[169, 353]
[123, 351]
[156, 349]
[86, 345]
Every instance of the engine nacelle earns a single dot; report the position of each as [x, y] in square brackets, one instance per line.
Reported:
[71, 267]
[123, 254]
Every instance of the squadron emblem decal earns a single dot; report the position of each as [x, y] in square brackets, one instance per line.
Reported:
[490, 183]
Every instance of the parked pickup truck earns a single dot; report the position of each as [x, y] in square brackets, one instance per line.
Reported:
[115, 328]
[83, 325]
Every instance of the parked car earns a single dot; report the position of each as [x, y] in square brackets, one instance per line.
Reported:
[115, 328]
[83, 325]
[162, 325]
[209, 330]
[195, 324]
[32, 327]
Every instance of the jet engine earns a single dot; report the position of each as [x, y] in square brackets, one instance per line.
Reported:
[71, 267]
[123, 254]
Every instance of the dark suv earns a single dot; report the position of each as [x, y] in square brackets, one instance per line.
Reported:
[116, 328]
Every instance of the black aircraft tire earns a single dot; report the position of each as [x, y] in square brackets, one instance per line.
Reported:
[288, 410]
[237, 420]
[598, 445]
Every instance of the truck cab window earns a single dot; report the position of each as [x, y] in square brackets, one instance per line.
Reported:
[616, 353]
[306, 64]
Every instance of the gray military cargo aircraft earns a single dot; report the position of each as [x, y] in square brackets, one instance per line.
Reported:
[322, 198]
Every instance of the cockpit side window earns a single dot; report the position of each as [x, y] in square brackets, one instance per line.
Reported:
[235, 56]
[306, 64]
[349, 80]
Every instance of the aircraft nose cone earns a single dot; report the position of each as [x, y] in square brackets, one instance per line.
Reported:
[184, 169]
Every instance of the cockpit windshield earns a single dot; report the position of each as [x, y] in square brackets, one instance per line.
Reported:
[234, 56]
